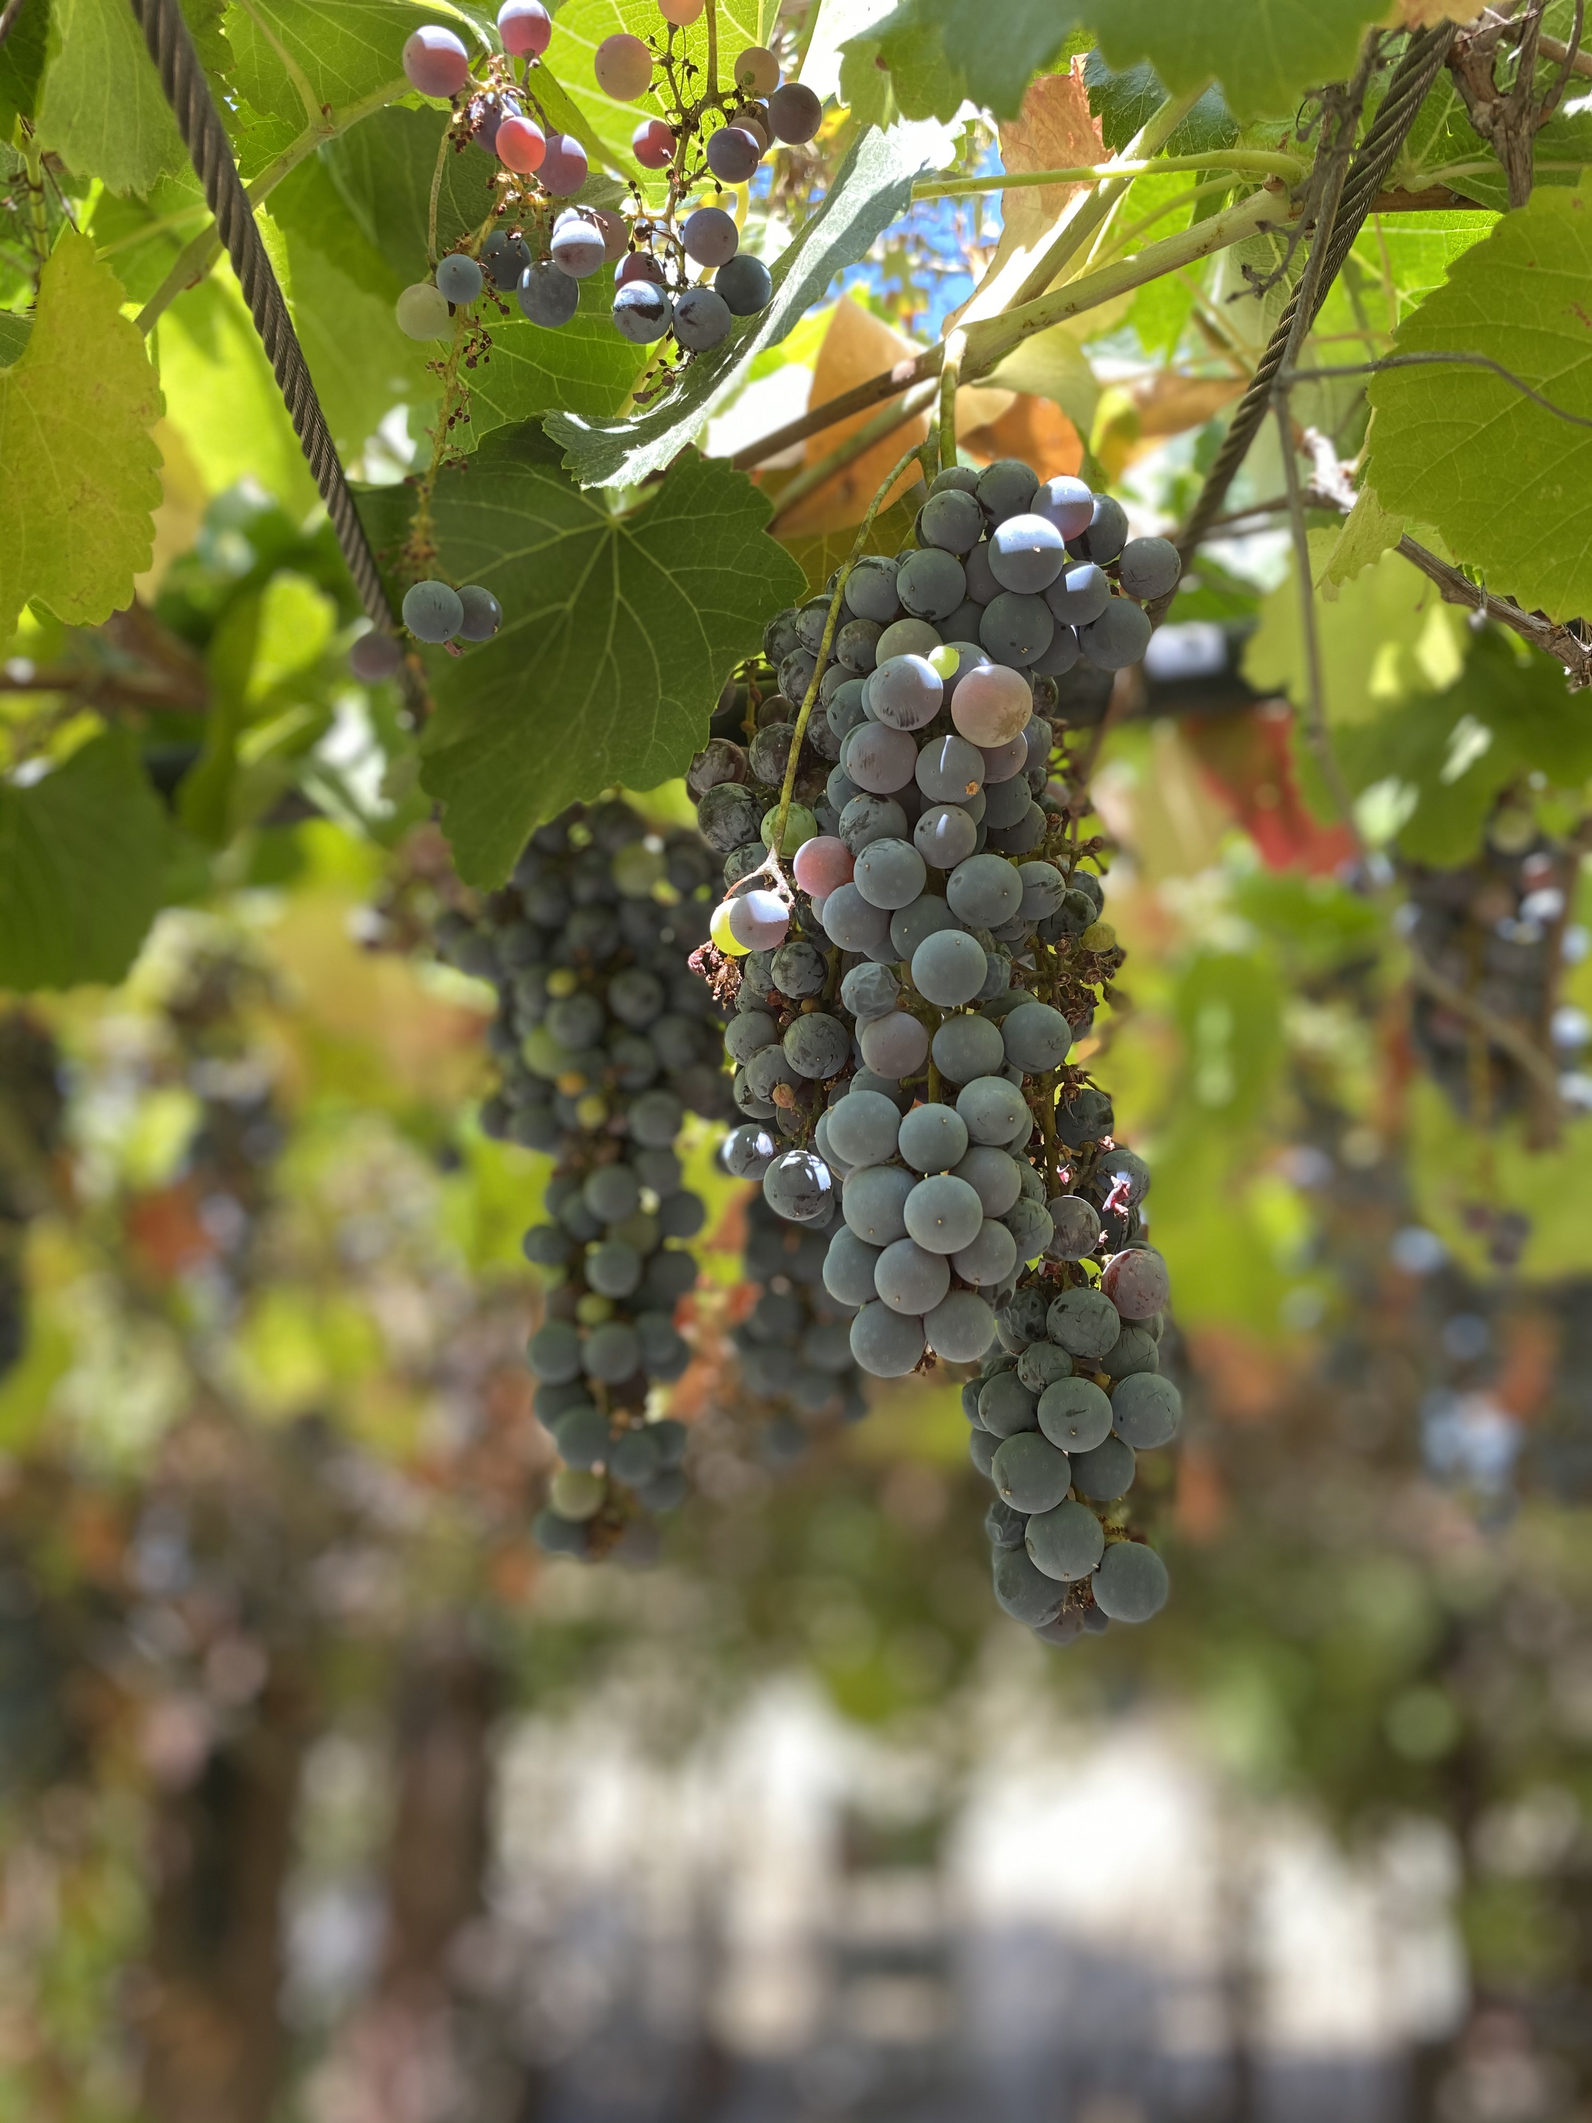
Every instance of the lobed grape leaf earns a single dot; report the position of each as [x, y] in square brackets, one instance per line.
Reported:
[78, 468]
[22, 60]
[297, 59]
[1502, 479]
[872, 188]
[101, 107]
[1262, 52]
[82, 867]
[618, 634]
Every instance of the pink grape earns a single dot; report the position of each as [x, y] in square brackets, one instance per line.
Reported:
[733, 154]
[435, 62]
[652, 144]
[520, 145]
[615, 231]
[757, 71]
[525, 27]
[639, 266]
[682, 13]
[564, 168]
[623, 66]
[823, 865]
[760, 920]
[1001, 762]
[1136, 1283]
[991, 704]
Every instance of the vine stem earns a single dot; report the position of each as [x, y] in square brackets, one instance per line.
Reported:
[1249, 163]
[420, 546]
[950, 378]
[436, 194]
[859, 546]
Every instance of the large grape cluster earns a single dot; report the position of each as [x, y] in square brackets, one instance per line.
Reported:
[605, 1039]
[795, 1362]
[540, 247]
[911, 991]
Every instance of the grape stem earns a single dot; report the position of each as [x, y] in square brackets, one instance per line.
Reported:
[950, 378]
[1252, 163]
[858, 548]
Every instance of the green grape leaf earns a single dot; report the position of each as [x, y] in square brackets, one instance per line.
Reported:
[581, 25]
[618, 634]
[101, 107]
[311, 210]
[1502, 479]
[78, 468]
[1262, 52]
[298, 59]
[22, 61]
[1367, 533]
[382, 171]
[82, 863]
[1124, 103]
[872, 188]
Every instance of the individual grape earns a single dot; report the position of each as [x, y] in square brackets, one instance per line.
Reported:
[1080, 596]
[794, 113]
[905, 693]
[435, 62]
[611, 1353]
[563, 168]
[1146, 1410]
[1036, 1038]
[1077, 1228]
[799, 1186]
[577, 246]
[376, 656]
[682, 13]
[1119, 637]
[1106, 1472]
[1042, 1364]
[520, 144]
[911, 926]
[729, 815]
[612, 1193]
[1015, 628]
[995, 1111]
[800, 969]
[984, 891]
[894, 1046]
[1059, 658]
[1084, 1322]
[655, 1119]
[642, 313]
[1149, 568]
[949, 770]
[991, 704]
[757, 71]
[993, 1175]
[945, 835]
[1023, 837]
[525, 27]
[553, 1352]
[1065, 1542]
[653, 144]
[855, 647]
[1132, 1582]
[1025, 1593]
[948, 968]
[943, 1213]
[822, 865]
[613, 1269]
[459, 278]
[951, 521]
[710, 237]
[981, 584]
[890, 873]
[422, 312]
[1123, 1175]
[879, 759]
[910, 1280]
[702, 319]
[869, 990]
[759, 920]
[1022, 1319]
[733, 153]
[1026, 554]
[1106, 535]
[812, 622]
[930, 583]
[800, 826]
[849, 1269]
[1030, 1474]
[748, 1151]
[852, 923]
[1134, 1352]
[1044, 888]
[432, 611]
[932, 1139]
[960, 1328]
[505, 257]
[817, 1046]
[886, 1344]
[1075, 1414]
[1003, 764]
[639, 266]
[623, 66]
[1006, 488]
[966, 1047]
[1005, 1405]
[1137, 1283]
[1003, 1527]
[1065, 502]
[843, 711]
[990, 1258]
[546, 296]
[907, 637]
[872, 1201]
[870, 590]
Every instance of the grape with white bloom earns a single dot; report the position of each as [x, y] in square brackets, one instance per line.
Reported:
[952, 521]
[994, 1110]
[1016, 628]
[1119, 637]
[960, 1328]
[817, 1046]
[879, 759]
[1006, 1405]
[886, 1344]
[866, 819]
[873, 1201]
[949, 770]
[905, 693]
[908, 637]
[1105, 535]
[965, 1047]
[1030, 1474]
[1075, 1414]
[991, 704]
[1065, 502]
[890, 873]
[459, 278]
[932, 1138]
[852, 923]
[1006, 488]
[1065, 1542]
[994, 1176]
[1026, 553]
[1137, 1284]
[710, 238]
[432, 611]
[945, 835]
[984, 891]
[759, 920]
[702, 318]
[949, 968]
[909, 1278]
[930, 583]
[1146, 1410]
[1149, 568]
[1036, 1038]
[1080, 596]
[1076, 1224]
[1105, 1473]
[849, 1269]
[895, 1046]
[1131, 1583]
[869, 991]
[990, 1258]
[943, 1213]
[870, 590]
[910, 926]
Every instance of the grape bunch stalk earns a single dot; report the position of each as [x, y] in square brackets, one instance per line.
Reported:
[540, 246]
[604, 1039]
[907, 996]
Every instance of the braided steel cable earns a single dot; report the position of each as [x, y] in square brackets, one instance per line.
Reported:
[1412, 78]
[199, 122]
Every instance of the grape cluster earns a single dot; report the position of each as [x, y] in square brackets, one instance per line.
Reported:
[541, 249]
[605, 1039]
[909, 995]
